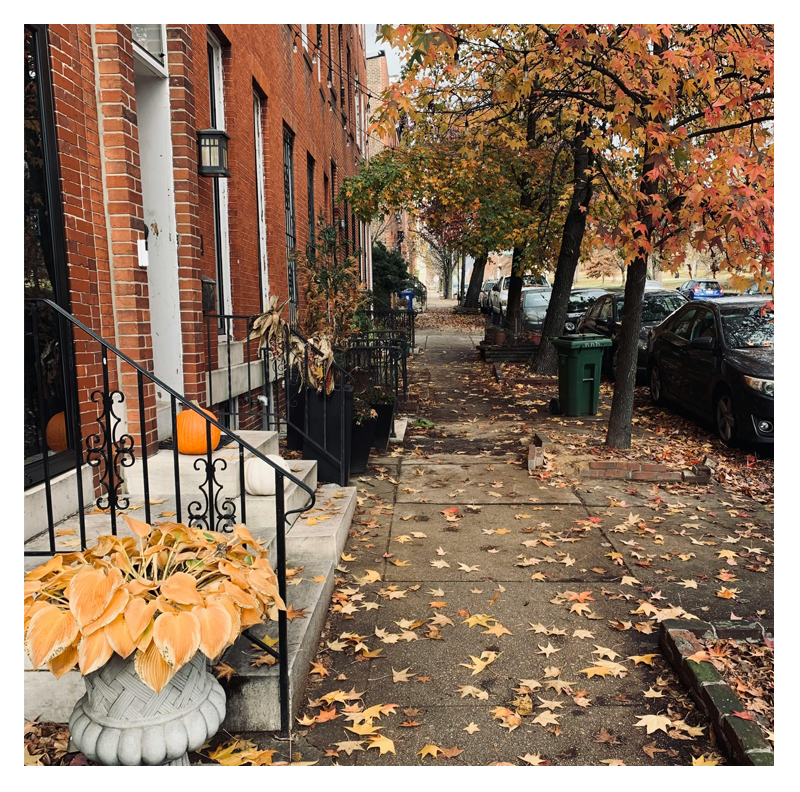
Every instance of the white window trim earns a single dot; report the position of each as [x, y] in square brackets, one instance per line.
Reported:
[258, 118]
[225, 245]
[146, 59]
[304, 36]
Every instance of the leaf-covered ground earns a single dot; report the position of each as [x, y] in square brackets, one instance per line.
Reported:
[483, 615]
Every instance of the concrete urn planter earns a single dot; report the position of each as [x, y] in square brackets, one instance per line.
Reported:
[121, 721]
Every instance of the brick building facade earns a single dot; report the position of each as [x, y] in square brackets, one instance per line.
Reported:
[131, 229]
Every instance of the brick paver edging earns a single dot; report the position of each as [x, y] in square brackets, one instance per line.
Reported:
[645, 471]
[679, 639]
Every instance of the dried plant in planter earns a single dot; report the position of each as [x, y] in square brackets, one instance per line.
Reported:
[168, 593]
[270, 329]
[329, 276]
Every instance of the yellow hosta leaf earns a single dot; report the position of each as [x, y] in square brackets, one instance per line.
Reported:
[226, 602]
[66, 661]
[90, 591]
[181, 587]
[94, 652]
[138, 615]
[50, 632]
[215, 629]
[119, 637]
[177, 636]
[119, 602]
[152, 668]
[241, 597]
[141, 529]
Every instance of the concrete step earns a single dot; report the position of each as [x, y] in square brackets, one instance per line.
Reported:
[63, 500]
[253, 693]
[260, 509]
[161, 467]
[260, 513]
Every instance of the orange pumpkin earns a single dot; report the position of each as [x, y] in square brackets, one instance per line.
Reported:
[56, 433]
[192, 432]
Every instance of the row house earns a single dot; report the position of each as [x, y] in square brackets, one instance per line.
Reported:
[172, 175]
[171, 171]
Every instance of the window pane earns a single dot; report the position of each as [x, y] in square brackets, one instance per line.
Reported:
[148, 37]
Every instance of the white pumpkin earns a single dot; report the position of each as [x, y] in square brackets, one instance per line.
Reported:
[259, 477]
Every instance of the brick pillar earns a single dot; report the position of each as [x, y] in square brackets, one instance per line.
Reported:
[183, 82]
[119, 146]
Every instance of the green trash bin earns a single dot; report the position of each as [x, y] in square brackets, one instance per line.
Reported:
[580, 361]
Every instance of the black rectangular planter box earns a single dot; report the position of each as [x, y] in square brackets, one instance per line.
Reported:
[324, 415]
[383, 429]
[295, 412]
[363, 438]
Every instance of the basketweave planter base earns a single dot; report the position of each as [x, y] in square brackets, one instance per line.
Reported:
[121, 721]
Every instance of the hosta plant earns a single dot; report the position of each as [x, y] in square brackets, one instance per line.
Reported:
[164, 594]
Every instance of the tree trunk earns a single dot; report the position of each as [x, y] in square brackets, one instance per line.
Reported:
[476, 281]
[619, 422]
[546, 361]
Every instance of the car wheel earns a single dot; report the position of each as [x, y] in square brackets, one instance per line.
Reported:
[725, 414]
[656, 386]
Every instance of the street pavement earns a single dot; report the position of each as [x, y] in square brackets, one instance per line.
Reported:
[458, 556]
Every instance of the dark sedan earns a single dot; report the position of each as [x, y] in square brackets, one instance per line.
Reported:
[717, 359]
[605, 319]
[580, 301]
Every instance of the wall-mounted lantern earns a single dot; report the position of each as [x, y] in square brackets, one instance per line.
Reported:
[213, 144]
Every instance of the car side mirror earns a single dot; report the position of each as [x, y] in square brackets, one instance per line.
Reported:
[704, 342]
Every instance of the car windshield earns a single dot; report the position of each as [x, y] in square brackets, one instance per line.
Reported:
[581, 301]
[527, 280]
[657, 309]
[709, 285]
[535, 299]
[488, 285]
[748, 327]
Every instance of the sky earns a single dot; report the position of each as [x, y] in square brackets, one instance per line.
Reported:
[392, 55]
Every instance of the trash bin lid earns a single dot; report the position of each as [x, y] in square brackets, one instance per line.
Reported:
[581, 341]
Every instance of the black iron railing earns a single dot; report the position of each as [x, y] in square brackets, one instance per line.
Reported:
[110, 449]
[394, 320]
[378, 359]
[272, 387]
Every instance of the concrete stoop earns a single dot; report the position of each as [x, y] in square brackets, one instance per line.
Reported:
[253, 702]
[253, 693]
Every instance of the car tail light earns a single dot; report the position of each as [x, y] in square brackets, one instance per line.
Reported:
[696, 288]
[721, 291]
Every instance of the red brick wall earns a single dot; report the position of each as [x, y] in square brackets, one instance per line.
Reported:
[97, 134]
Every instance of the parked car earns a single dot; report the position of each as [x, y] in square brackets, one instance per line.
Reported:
[652, 285]
[580, 301]
[534, 308]
[717, 359]
[483, 297]
[605, 319]
[700, 289]
[755, 288]
[498, 296]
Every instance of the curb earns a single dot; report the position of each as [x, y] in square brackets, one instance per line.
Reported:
[679, 639]
[645, 471]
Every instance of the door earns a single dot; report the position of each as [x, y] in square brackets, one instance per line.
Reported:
[49, 384]
[158, 201]
[701, 363]
[672, 358]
